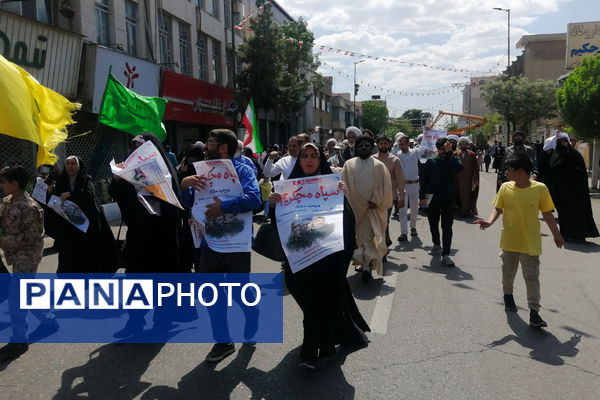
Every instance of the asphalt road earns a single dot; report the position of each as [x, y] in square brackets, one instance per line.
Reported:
[438, 333]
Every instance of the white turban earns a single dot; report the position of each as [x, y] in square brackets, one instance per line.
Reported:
[452, 137]
[463, 139]
[399, 135]
[354, 130]
[420, 137]
[550, 143]
[562, 135]
[332, 140]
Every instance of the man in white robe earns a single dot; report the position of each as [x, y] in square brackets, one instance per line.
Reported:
[370, 196]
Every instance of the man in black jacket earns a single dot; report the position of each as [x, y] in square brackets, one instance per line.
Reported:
[437, 182]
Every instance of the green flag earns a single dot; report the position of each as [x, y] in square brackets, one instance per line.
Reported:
[127, 111]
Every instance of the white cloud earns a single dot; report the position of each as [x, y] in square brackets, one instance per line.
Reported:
[461, 34]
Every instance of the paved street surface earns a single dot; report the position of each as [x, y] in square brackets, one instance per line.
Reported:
[438, 333]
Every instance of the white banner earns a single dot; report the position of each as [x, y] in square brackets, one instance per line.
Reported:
[227, 233]
[430, 136]
[146, 170]
[310, 218]
[40, 190]
[69, 211]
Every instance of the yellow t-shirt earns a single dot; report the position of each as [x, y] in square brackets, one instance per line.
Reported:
[520, 212]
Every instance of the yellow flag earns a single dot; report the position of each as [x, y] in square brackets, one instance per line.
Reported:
[33, 112]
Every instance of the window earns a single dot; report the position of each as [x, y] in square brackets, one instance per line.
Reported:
[130, 23]
[216, 62]
[227, 13]
[201, 46]
[164, 39]
[212, 7]
[40, 10]
[184, 48]
[229, 66]
[102, 36]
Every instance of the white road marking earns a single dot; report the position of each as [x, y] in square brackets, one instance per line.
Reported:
[385, 300]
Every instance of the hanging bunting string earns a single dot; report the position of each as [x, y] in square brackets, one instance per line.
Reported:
[430, 92]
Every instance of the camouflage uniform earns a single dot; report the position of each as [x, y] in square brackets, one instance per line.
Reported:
[22, 239]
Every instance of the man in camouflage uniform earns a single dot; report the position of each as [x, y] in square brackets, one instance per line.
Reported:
[21, 238]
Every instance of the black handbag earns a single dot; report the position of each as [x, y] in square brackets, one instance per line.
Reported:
[267, 244]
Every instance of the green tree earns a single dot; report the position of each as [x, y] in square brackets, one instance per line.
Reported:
[375, 116]
[403, 125]
[416, 117]
[259, 77]
[296, 75]
[520, 101]
[579, 99]
[481, 135]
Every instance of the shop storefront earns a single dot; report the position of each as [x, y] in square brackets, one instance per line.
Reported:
[194, 108]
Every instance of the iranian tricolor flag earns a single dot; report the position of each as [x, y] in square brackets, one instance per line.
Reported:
[251, 139]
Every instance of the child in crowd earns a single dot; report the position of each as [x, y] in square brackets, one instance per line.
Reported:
[266, 188]
[22, 239]
[519, 201]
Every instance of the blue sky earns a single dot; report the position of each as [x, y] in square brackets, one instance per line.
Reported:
[455, 35]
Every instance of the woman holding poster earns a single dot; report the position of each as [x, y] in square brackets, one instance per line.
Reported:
[321, 289]
[93, 250]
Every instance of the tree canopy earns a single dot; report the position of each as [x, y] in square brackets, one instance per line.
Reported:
[375, 116]
[416, 117]
[520, 101]
[277, 73]
[400, 125]
[579, 99]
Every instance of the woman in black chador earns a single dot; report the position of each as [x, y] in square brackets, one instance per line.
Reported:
[570, 192]
[331, 316]
[78, 251]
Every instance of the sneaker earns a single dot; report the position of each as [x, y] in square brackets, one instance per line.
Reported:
[535, 320]
[12, 351]
[447, 261]
[413, 232]
[402, 238]
[220, 351]
[436, 250]
[509, 303]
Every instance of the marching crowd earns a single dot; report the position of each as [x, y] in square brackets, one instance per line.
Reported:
[382, 178]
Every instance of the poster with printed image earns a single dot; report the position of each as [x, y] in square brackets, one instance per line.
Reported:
[146, 170]
[310, 218]
[226, 233]
[69, 211]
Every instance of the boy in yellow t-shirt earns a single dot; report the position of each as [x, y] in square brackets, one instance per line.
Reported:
[520, 201]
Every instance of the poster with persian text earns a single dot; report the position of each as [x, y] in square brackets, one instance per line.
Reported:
[226, 233]
[310, 218]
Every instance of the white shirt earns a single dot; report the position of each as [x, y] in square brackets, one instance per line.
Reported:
[410, 161]
[283, 166]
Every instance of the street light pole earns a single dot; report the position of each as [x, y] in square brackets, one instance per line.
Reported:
[507, 64]
[508, 40]
[354, 98]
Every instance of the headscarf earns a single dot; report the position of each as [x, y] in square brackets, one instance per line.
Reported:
[65, 183]
[324, 168]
